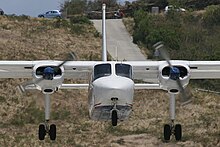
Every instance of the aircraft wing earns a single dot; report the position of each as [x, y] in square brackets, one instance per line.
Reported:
[147, 71]
[16, 69]
[78, 69]
[24, 69]
[204, 69]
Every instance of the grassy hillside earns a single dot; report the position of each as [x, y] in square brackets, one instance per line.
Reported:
[23, 38]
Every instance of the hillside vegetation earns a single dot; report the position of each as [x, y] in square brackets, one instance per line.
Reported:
[187, 36]
[24, 38]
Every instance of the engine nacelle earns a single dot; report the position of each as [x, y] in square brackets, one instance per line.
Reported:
[48, 86]
[169, 84]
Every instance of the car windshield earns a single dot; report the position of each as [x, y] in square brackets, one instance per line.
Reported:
[102, 70]
[123, 70]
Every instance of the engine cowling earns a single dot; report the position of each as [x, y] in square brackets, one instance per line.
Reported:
[48, 85]
[170, 84]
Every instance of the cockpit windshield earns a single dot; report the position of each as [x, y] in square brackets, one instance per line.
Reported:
[102, 70]
[123, 70]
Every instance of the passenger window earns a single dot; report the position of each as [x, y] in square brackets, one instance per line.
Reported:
[102, 70]
[123, 70]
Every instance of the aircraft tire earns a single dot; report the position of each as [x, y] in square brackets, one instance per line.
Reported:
[167, 132]
[178, 132]
[114, 118]
[41, 132]
[52, 132]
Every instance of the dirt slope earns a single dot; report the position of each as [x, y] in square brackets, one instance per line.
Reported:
[20, 115]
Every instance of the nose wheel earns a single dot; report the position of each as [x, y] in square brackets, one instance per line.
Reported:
[114, 118]
[46, 129]
[114, 113]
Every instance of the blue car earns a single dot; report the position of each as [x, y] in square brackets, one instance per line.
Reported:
[51, 14]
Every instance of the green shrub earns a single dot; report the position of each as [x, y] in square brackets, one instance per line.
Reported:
[150, 29]
[212, 15]
[61, 23]
[79, 19]
[77, 29]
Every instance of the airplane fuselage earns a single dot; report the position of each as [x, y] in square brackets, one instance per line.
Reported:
[112, 90]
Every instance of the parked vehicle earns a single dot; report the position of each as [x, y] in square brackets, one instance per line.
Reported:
[171, 7]
[1, 12]
[51, 14]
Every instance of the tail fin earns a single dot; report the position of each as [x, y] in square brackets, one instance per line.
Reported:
[104, 50]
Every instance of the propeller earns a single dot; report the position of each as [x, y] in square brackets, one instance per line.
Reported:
[174, 73]
[48, 72]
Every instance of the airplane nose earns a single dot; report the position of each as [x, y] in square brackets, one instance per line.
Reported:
[113, 87]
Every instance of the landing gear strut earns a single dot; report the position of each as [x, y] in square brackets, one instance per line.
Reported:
[114, 112]
[172, 129]
[45, 128]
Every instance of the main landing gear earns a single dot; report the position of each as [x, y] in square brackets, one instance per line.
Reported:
[172, 129]
[114, 112]
[45, 128]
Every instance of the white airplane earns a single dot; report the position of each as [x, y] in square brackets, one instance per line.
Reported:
[112, 83]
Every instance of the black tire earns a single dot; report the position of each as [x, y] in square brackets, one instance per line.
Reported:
[178, 132]
[41, 132]
[167, 132]
[52, 132]
[114, 118]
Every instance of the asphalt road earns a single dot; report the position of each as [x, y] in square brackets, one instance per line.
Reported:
[119, 41]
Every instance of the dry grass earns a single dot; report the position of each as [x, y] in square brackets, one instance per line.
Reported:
[21, 114]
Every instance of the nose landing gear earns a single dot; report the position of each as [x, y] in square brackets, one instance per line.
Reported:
[114, 112]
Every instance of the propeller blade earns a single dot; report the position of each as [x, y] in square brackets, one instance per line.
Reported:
[22, 86]
[163, 52]
[21, 89]
[184, 98]
[71, 57]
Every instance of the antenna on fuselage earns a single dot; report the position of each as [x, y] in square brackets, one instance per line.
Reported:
[104, 50]
[116, 51]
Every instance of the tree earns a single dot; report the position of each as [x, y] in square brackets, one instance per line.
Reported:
[74, 7]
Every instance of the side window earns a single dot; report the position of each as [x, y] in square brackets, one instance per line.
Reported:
[102, 70]
[123, 70]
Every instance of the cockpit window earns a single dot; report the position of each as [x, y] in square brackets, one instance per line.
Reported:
[102, 70]
[123, 70]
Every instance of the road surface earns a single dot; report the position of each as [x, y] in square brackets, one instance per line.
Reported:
[119, 41]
